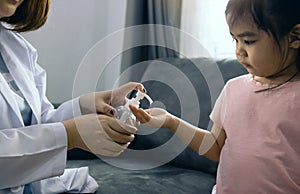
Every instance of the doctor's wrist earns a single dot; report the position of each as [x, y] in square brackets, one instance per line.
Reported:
[87, 103]
[69, 126]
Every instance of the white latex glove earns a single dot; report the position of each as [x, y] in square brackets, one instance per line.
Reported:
[99, 134]
[104, 101]
[118, 96]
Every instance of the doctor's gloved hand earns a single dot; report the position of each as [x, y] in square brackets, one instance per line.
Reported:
[99, 134]
[104, 101]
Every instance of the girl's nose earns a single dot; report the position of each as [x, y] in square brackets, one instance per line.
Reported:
[240, 51]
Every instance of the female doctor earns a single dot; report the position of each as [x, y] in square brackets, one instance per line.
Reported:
[35, 137]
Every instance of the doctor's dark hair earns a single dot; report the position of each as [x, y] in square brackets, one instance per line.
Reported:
[30, 15]
[276, 17]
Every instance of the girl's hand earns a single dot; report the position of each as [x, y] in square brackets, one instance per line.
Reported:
[154, 117]
[103, 102]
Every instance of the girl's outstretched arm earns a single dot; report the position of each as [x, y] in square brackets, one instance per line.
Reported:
[204, 142]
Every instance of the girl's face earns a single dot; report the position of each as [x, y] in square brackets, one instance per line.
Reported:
[8, 7]
[258, 51]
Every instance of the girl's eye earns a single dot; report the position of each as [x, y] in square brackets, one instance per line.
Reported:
[249, 42]
[246, 42]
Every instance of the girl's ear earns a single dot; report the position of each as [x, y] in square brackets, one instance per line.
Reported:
[294, 38]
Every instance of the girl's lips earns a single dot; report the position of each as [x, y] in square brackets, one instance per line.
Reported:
[15, 1]
[246, 65]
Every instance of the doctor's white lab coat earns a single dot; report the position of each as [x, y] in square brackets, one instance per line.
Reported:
[36, 152]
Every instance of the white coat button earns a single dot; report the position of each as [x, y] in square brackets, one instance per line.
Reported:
[16, 189]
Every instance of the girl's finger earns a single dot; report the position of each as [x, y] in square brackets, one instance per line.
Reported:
[140, 114]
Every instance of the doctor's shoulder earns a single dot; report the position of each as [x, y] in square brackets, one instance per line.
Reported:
[19, 40]
[10, 37]
[16, 42]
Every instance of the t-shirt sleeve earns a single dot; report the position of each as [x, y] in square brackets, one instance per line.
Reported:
[219, 111]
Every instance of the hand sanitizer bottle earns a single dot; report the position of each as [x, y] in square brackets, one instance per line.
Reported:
[124, 114]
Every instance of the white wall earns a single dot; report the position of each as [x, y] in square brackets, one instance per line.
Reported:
[73, 27]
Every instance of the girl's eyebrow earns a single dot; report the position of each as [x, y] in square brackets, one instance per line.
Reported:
[244, 34]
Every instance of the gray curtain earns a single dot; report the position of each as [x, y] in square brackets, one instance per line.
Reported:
[151, 34]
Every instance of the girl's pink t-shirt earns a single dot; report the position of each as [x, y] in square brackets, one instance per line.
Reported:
[261, 153]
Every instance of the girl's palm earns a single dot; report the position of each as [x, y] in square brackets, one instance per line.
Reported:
[152, 118]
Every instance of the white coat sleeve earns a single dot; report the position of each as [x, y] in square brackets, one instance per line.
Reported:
[32, 153]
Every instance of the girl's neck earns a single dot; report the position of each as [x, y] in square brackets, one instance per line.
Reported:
[288, 73]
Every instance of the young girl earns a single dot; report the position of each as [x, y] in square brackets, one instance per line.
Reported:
[35, 137]
[256, 133]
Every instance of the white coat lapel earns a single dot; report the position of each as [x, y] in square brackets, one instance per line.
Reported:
[15, 58]
[26, 85]
[10, 99]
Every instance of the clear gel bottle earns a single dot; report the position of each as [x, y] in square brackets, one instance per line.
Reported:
[124, 114]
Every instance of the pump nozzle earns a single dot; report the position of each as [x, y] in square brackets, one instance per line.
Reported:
[123, 112]
[140, 95]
